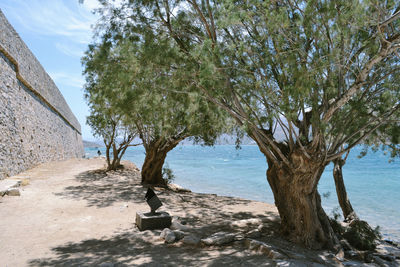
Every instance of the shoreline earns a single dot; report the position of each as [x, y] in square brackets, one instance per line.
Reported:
[73, 213]
[387, 233]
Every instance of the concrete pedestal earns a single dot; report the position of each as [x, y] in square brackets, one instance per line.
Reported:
[149, 221]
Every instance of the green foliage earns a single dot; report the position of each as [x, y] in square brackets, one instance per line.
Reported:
[360, 235]
[307, 77]
[267, 63]
[141, 81]
[167, 174]
[336, 214]
[117, 137]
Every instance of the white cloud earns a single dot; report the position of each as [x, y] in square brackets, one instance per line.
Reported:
[56, 18]
[70, 49]
[67, 79]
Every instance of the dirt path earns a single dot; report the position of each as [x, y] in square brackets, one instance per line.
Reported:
[73, 214]
[70, 214]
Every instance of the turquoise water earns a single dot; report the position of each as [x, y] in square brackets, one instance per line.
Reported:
[372, 183]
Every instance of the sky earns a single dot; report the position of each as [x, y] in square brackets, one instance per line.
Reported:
[57, 32]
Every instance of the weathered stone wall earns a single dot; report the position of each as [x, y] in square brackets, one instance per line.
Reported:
[36, 124]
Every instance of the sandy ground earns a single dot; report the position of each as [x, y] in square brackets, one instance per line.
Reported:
[74, 214]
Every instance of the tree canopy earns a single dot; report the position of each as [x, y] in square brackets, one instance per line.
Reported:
[324, 72]
[139, 74]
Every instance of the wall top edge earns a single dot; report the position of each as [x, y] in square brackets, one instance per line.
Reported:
[32, 72]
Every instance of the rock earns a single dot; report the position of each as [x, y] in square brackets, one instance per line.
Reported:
[253, 234]
[358, 264]
[388, 249]
[25, 182]
[367, 256]
[345, 244]
[107, 264]
[263, 248]
[380, 261]
[262, 228]
[191, 240]
[288, 263]
[178, 226]
[391, 242]
[246, 223]
[340, 255]
[273, 254]
[219, 238]
[165, 232]
[351, 254]
[178, 234]
[13, 192]
[170, 237]
[239, 237]
[8, 184]
[385, 257]
[253, 244]
[178, 188]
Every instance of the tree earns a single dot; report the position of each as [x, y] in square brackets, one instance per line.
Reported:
[347, 209]
[325, 72]
[141, 79]
[386, 139]
[115, 134]
[104, 119]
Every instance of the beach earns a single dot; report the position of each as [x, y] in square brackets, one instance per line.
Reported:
[72, 213]
[372, 182]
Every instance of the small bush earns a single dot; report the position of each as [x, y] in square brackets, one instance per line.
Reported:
[360, 235]
[357, 233]
[167, 174]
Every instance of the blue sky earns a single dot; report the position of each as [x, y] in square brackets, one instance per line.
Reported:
[57, 32]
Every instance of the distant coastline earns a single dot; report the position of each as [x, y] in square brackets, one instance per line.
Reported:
[90, 144]
[224, 139]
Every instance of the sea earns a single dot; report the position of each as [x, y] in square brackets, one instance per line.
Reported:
[372, 182]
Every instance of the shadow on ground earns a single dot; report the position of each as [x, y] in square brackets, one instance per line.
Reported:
[204, 214]
[103, 189]
[138, 249]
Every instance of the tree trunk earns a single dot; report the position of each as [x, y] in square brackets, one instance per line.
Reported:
[344, 202]
[154, 161]
[118, 153]
[303, 219]
[108, 154]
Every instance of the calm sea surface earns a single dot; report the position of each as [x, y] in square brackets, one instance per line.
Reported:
[373, 184]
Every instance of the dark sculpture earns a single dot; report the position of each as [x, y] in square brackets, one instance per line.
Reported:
[153, 201]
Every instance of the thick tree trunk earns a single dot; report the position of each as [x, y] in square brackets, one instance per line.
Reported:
[344, 202]
[154, 161]
[303, 219]
[152, 168]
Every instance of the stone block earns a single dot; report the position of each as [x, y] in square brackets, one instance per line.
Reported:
[191, 240]
[219, 238]
[149, 221]
[253, 234]
[179, 234]
[13, 192]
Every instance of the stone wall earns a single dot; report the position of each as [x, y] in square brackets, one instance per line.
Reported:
[36, 124]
